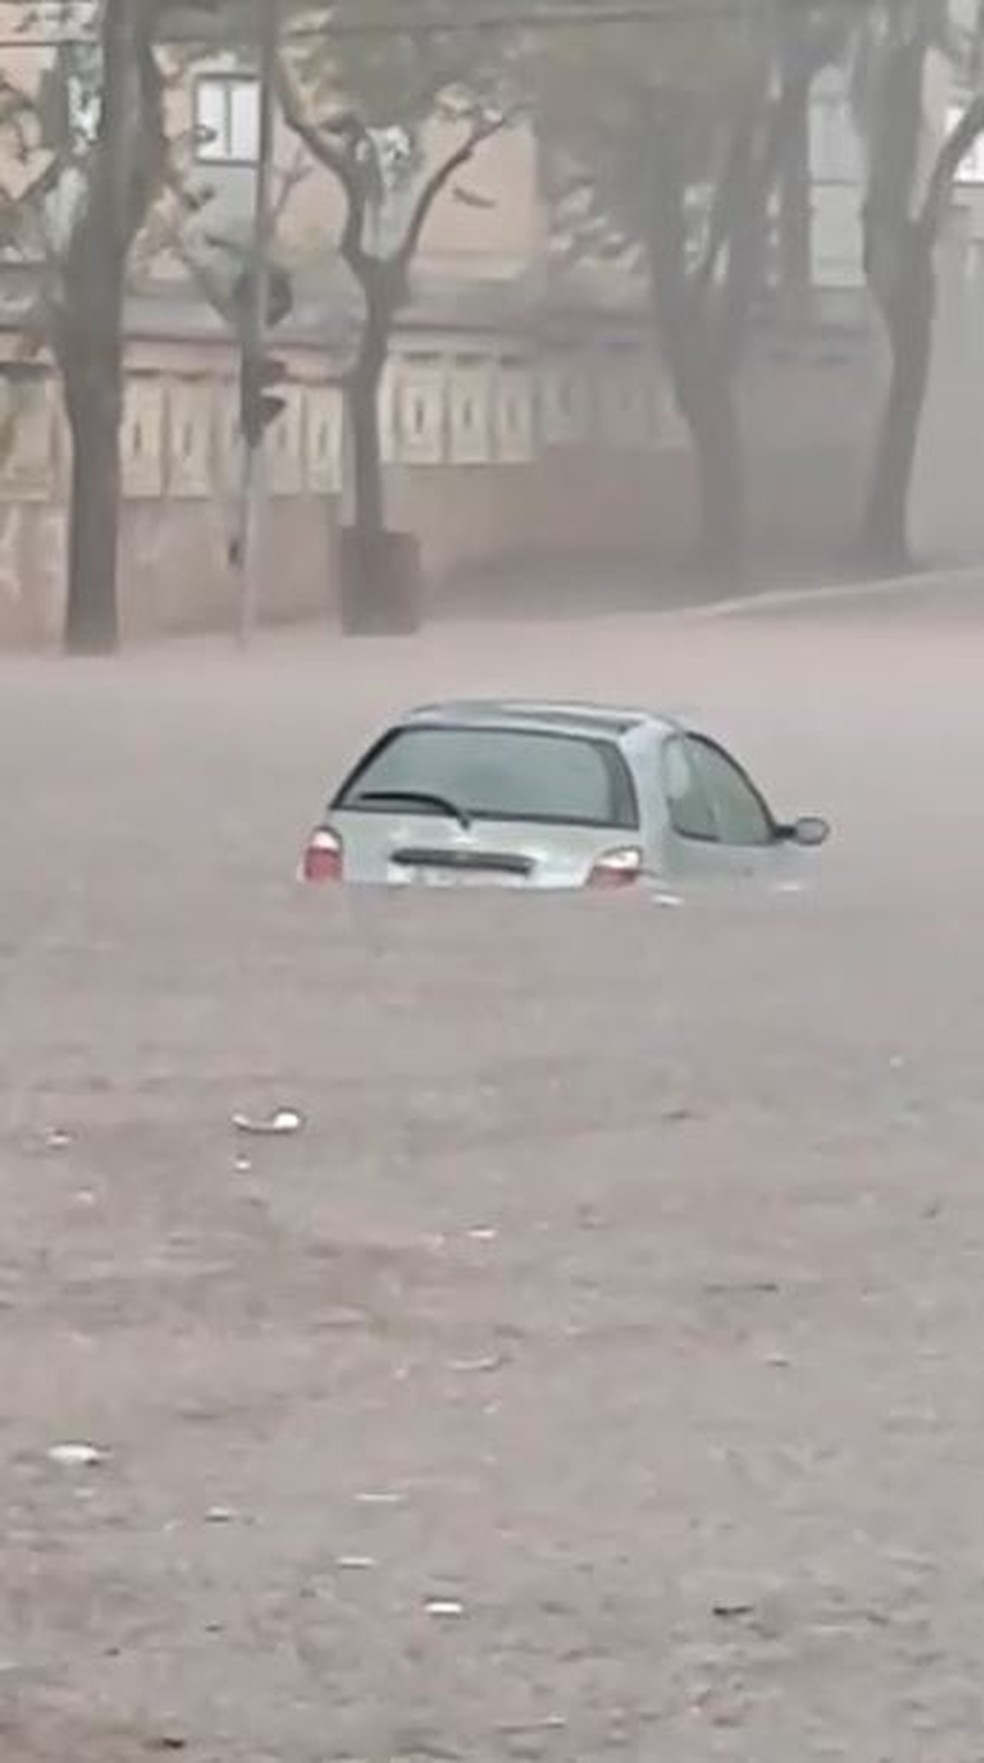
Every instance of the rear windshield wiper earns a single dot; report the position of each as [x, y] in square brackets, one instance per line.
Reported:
[422, 798]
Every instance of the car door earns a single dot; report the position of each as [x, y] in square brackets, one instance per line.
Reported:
[719, 823]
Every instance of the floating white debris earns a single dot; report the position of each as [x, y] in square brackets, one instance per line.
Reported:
[280, 1124]
[379, 1499]
[355, 1563]
[77, 1456]
[447, 1608]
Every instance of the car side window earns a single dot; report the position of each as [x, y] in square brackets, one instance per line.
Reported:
[688, 802]
[741, 816]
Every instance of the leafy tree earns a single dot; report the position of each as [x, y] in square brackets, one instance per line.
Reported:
[669, 157]
[360, 97]
[909, 186]
[97, 127]
[92, 156]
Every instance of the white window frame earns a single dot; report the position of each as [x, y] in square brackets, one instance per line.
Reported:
[227, 133]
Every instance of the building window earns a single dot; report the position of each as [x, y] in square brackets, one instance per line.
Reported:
[227, 119]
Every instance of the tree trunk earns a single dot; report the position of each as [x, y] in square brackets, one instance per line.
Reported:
[705, 395]
[362, 406]
[122, 175]
[366, 560]
[380, 588]
[700, 336]
[93, 400]
[908, 316]
[713, 421]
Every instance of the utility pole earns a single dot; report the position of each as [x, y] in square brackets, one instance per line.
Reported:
[249, 547]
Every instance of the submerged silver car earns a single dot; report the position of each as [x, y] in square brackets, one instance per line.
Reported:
[504, 793]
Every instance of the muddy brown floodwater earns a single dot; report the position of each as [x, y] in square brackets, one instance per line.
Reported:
[597, 1373]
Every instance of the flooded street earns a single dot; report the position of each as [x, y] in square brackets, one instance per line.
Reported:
[594, 1373]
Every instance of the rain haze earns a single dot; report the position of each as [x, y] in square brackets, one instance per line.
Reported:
[521, 457]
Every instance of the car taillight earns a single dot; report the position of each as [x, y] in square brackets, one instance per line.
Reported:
[322, 860]
[617, 869]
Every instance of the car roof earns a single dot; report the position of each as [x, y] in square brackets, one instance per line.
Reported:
[560, 715]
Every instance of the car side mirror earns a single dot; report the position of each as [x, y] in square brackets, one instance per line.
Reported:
[811, 831]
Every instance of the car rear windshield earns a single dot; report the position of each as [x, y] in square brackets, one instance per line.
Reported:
[499, 774]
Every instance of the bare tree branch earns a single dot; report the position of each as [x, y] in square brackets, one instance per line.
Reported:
[168, 231]
[332, 146]
[948, 162]
[473, 198]
[483, 130]
[171, 235]
[209, 284]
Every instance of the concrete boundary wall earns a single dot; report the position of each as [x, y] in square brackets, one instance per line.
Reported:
[502, 459]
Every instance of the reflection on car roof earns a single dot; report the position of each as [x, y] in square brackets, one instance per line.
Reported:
[526, 712]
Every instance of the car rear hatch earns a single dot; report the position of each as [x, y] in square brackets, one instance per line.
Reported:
[462, 804]
[427, 851]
